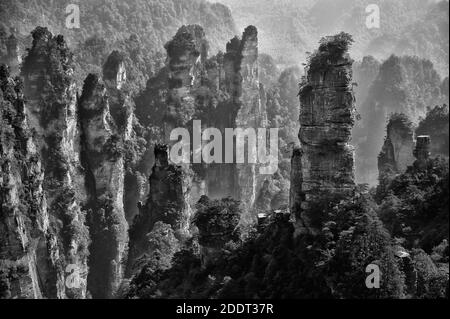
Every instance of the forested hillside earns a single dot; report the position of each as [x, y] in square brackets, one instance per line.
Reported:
[141, 28]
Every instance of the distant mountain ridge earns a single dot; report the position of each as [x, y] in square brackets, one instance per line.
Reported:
[289, 28]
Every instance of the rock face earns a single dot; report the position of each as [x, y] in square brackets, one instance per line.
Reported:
[52, 113]
[422, 151]
[114, 71]
[121, 111]
[12, 57]
[251, 113]
[273, 195]
[222, 91]
[82, 146]
[236, 75]
[25, 261]
[326, 160]
[186, 53]
[104, 162]
[396, 154]
[296, 195]
[388, 94]
[436, 125]
[167, 203]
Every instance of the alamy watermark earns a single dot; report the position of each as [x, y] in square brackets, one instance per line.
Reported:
[208, 147]
[373, 279]
[73, 279]
[373, 17]
[73, 16]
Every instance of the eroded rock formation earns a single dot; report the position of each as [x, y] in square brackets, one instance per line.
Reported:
[167, 202]
[396, 154]
[11, 57]
[422, 151]
[25, 234]
[222, 91]
[103, 140]
[82, 146]
[325, 163]
[52, 112]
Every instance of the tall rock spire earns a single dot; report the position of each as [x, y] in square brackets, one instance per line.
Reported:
[396, 154]
[167, 203]
[26, 263]
[422, 151]
[103, 158]
[326, 160]
[51, 93]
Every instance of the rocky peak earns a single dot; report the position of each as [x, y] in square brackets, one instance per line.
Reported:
[249, 44]
[223, 92]
[52, 112]
[104, 162]
[422, 151]
[12, 56]
[327, 108]
[114, 71]
[167, 203]
[185, 53]
[396, 154]
[27, 245]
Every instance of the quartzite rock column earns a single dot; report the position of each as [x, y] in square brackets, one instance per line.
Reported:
[51, 110]
[326, 119]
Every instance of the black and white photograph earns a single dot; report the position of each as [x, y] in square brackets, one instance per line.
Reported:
[201, 151]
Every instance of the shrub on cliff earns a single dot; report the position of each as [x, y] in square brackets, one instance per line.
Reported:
[331, 49]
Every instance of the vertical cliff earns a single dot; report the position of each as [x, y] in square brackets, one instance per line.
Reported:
[186, 53]
[122, 112]
[250, 114]
[296, 195]
[25, 261]
[326, 120]
[422, 151]
[222, 91]
[167, 203]
[52, 112]
[391, 92]
[103, 158]
[238, 105]
[396, 154]
[11, 57]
